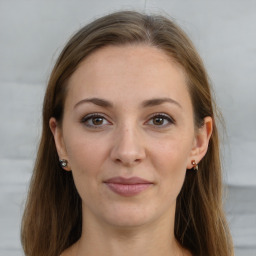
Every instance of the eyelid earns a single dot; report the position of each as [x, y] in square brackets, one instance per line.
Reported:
[94, 114]
[89, 116]
[165, 116]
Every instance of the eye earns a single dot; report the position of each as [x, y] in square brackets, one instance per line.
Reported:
[161, 120]
[95, 120]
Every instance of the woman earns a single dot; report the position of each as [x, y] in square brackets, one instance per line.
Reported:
[128, 162]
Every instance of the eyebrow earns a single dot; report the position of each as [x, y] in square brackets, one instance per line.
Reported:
[146, 103]
[96, 101]
[159, 101]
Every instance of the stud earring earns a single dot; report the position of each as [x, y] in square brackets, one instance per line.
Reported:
[63, 163]
[195, 165]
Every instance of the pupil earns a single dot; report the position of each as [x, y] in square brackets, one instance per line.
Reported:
[158, 120]
[97, 120]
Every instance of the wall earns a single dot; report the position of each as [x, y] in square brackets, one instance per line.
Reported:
[32, 33]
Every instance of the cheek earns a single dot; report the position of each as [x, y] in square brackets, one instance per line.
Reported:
[86, 154]
[173, 153]
[86, 158]
[170, 161]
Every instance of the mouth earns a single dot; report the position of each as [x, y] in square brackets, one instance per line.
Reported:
[128, 187]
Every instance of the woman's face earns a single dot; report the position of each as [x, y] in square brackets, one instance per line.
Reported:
[128, 134]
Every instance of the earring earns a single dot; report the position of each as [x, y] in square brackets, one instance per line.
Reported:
[63, 163]
[195, 165]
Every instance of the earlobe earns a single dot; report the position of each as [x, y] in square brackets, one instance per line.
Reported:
[58, 138]
[201, 141]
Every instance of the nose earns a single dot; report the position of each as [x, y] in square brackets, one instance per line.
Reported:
[128, 148]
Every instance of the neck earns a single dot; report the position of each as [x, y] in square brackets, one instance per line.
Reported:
[103, 239]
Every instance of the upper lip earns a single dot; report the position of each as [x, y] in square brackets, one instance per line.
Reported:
[128, 181]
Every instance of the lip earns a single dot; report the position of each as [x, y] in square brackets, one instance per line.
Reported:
[128, 186]
[128, 181]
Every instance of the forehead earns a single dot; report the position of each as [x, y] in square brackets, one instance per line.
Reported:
[128, 74]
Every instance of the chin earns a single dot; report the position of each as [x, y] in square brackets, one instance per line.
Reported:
[129, 217]
[129, 222]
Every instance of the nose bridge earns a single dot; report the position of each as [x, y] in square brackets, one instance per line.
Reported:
[128, 144]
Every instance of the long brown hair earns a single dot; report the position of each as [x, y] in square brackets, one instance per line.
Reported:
[52, 219]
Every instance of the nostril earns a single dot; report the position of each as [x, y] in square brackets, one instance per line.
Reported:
[127, 149]
[127, 161]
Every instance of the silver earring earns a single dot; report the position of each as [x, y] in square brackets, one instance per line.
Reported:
[63, 163]
[195, 165]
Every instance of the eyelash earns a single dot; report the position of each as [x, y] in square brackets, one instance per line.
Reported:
[99, 115]
[90, 117]
[164, 117]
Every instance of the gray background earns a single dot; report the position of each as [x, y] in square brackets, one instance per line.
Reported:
[32, 33]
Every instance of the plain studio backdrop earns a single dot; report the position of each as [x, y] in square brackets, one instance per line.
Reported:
[32, 33]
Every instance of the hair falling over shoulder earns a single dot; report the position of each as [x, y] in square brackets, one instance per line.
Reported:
[52, 218]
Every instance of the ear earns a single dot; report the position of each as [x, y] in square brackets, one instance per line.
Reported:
[59, 142]
[201, 142]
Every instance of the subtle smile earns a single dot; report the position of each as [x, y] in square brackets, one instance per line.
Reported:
[128, 187]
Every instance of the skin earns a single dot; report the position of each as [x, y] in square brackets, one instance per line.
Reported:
[127, 141]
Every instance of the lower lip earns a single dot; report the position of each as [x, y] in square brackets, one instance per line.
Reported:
[128, 189]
